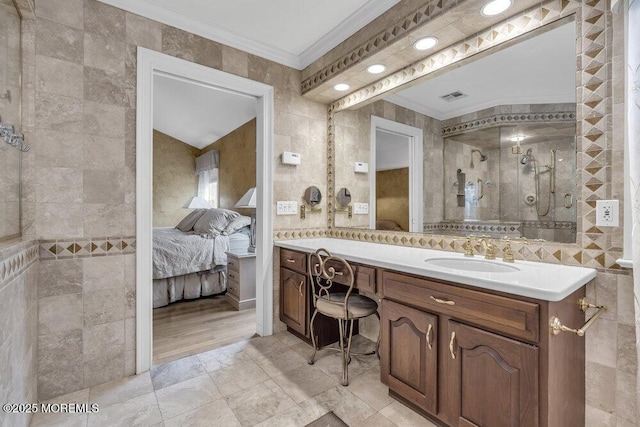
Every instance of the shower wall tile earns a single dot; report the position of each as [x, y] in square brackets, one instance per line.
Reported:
[59, 41]
[59, 113]
[143, 32]
[58, 77]
[67, 12]
[104, 52]
[102, 86]
[105, 20]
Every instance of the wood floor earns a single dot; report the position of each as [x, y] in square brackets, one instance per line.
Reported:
[186, 328]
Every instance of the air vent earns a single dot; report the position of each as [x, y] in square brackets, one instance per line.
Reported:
[453, 96]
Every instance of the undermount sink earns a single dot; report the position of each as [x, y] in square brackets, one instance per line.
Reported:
[472, 265]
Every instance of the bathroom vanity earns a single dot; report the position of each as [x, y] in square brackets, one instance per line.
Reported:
[465, 342]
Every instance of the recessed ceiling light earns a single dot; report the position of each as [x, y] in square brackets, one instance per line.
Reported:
[495, 7]
[517, 138]
[425, 43]
[341, 87]
[376, 68]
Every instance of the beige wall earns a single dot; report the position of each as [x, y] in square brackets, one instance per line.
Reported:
[174, 179]
[79, 113]
[392, 196]
[237, 164]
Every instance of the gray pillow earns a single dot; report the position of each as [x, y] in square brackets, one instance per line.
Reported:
[190, 220]
[236, 224]
[214, 221]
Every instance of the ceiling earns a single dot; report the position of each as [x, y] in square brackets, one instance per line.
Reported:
[196, 114]
[541, 69]
[292, 32]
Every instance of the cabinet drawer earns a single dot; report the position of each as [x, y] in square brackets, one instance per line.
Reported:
[233, 264]
[513, 317]
[365, 277]
[296, 261]
[233, 286]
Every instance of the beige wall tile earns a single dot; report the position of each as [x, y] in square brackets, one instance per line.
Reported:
[103, 186]
[626, 397]
[235, 61]
[103, 153]
[177, 43]
[58, 149]
[60, 381]
[207, 52]
[601, 389]
[58, 220]
[59, 113]
[626, 354]
[67, 12]
[61, 350]
[62, 313]
[106, 87]
[102, 52]
[59, 185]
[58, 76]
[103, 340]
[103, 120]
[59, 277]
[101, 219]
[59, 41]
[103, 306]
[103, 273]
[103, 19]
[143, 32]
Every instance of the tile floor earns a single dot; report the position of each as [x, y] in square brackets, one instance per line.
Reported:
[264, 381]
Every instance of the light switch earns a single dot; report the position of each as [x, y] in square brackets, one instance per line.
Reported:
[360, 208]
[286, 207]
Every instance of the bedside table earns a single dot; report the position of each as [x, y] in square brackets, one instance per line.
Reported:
[241, 280]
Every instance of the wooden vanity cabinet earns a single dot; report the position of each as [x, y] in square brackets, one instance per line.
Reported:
[468, 357]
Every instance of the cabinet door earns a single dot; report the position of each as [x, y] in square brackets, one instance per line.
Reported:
[494, 379]
[409, 353]
[293, 297]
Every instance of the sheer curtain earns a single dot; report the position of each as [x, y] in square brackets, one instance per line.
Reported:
[633, 129]
[207, 166]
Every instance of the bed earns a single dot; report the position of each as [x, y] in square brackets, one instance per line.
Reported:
[190, 260]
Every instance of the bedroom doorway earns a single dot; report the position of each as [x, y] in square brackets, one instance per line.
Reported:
[154, 67]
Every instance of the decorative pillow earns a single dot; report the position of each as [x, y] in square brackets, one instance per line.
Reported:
[236, 224]
[214, 221]
[190, 220]
[387, 224]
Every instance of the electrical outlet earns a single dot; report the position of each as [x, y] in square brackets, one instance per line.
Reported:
[286, 208]
[360, 208]
[607, 213]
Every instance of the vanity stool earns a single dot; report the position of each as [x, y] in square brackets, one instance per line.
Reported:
[323, 269]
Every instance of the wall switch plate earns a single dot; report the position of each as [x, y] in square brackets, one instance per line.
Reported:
[360, 208]
[607, 213]
[286, 207]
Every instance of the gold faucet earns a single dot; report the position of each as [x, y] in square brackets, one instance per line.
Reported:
[468, 246]
[489, 247]
[508, 253]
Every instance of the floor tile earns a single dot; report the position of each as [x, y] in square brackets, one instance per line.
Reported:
[280, 361]
[305, 382]
[375, 420]
[139, 411]
[50, 419]
[222, 357]
[370, 390]
[305, 350]
[174, 372]
[259, 403]
[288, 338]
[342, 402]
[332, 365]
[402, 416]
[293, 417]
[256, 347]
[238, 376]
[186, 396]
[215, 413]
[121, 390]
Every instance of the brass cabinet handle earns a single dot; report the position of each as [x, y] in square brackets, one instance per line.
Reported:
[443, 301]
[291, 261]
[429, 338]
[338, 273]
[451, 344]
[300, 288]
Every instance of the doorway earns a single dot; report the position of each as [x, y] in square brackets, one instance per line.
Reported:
[396, 155]
[154, 64]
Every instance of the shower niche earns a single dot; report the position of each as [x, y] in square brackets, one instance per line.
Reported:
[519, 180]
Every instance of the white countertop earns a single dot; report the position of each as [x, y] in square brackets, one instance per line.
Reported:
[549, 282]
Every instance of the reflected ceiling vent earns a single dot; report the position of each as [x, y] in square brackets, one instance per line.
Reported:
[453, 96]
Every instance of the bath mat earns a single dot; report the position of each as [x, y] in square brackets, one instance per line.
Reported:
[328, 420]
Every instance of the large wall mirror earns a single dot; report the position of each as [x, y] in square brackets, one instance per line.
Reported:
[10, 115]
[487, 146]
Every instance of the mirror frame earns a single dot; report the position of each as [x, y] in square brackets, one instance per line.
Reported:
[594, 247]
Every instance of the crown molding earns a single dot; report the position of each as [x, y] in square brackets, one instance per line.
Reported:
[345, 29]
[177, 18]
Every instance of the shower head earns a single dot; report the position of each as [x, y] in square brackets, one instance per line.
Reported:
[483, 157]
[526, 158]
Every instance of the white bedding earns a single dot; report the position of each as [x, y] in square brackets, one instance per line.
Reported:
[176, 253]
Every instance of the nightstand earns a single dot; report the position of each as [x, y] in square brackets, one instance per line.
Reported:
[241, 280]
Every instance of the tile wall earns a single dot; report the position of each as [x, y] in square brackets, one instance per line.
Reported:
[18, 328]
[79, 61]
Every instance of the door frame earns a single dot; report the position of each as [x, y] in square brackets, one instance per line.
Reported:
[414, 135]
[150, 64]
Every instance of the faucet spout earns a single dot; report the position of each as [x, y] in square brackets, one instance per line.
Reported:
[489, 247]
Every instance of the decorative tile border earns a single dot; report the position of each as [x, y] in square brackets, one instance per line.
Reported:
[491, 228]
[593, 247]
[311, 233]
[16, 260]
[499, 119]
[86, 247]
[385, 38]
